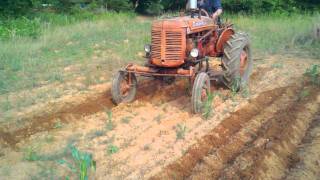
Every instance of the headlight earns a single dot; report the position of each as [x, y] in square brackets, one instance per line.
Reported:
[194, 53]
[147, 48]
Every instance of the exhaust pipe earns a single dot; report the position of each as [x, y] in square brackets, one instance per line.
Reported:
[193, 4]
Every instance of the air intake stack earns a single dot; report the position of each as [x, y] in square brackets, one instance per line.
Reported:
[193, 7]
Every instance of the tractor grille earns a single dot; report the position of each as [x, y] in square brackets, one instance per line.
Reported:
[168, 47]
[156, 44]
[173, 45]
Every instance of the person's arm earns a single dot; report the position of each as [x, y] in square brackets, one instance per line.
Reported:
[217, 13]
[218, 8]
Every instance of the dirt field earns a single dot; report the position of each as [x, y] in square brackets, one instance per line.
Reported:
[270, 131]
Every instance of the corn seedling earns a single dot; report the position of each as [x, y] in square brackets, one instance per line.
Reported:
[303, 94]
[82, 163]
[126, 119]
[31, 155]
[158, 118]
[277, 65]
[58, 124]
[235, 86]
[245, 92]
[180, 131]
[314, 74]
[207, 108]
[112, 149]
[110, 125]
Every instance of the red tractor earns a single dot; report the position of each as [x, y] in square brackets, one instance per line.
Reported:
[181, 47]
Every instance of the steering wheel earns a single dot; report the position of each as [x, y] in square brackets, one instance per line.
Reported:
[204, 12]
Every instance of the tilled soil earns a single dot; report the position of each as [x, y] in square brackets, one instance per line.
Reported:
[267, 132]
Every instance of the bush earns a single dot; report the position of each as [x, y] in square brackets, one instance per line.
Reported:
[118, 5]
[22, 26]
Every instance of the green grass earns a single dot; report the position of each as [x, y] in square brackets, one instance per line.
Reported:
[28, 63]
[277, 33]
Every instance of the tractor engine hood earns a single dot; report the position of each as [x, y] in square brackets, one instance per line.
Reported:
[192, 25]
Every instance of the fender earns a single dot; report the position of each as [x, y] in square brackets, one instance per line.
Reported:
[224, 37]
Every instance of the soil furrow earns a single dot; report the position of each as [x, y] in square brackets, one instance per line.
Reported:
[217, 159]
[219, 137]
[148, 92]
[267, 156]
[305, 162]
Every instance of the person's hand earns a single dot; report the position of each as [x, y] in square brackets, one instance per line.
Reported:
[214, 16]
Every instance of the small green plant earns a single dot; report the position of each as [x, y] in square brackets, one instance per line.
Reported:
[303, 94]
[314, 74]
[180, 131]
[95, 133]
[82, 163]
[30, 155]
[58, 124]
[49, 138]
[245, 91]
[126, 119]
[277, 65]
[6, 105]
[158, 118]
[207, 107]
[112, 149]
[235, 85]
[110, 124]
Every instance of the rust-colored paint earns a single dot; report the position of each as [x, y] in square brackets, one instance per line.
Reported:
[169, 39]
[224, 37]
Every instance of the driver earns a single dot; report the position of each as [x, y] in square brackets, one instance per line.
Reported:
[213, 7]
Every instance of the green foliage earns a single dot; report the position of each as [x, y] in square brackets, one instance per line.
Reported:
[118, 5]
[153, 7]
[110, 125]
[31, 155]
[180, 131]
[303, 94]
[126, 119]
[314, 74]
[82, 163]
[112, 149]
[207, 108]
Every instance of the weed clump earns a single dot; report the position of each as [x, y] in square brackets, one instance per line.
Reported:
[110, 124]
[180, 131]
[314, 74]
[112, 149]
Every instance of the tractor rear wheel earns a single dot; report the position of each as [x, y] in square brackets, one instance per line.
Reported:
[237, 61]
[200, 92]
[124, 87]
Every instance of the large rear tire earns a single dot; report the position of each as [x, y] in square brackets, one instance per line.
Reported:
[237, 61]
[200, 92]
[123, 90]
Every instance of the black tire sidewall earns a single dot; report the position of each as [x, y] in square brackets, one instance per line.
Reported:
[201, 79]
[115, 89]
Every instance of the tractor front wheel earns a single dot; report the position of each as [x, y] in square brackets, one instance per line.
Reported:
[124, 87]
[200, 92]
